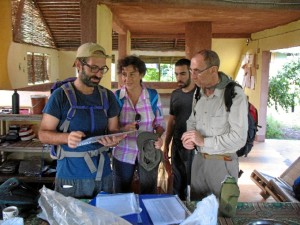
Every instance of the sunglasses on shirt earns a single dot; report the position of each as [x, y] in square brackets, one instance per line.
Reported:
[137, 119]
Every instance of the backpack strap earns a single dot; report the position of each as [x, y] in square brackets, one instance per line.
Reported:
[230, 94]
[197, 96]
[88, 159]
[104, 98]
[119, 100]
[59, 153]
[70, 93]
[153, 100]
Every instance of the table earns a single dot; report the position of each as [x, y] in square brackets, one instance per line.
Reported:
[133, 218]
[246, 212]
[286, 212]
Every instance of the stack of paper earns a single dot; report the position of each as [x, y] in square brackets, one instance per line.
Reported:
[119, 204]
[167, 210]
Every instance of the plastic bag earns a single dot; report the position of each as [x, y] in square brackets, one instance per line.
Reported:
[206, 212]
[165, 178]
[61, 210]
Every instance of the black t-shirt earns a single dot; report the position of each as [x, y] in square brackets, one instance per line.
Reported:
[181, 108]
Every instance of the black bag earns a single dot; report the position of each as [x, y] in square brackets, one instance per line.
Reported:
[14, 192]
[296, 188]
[252, 118]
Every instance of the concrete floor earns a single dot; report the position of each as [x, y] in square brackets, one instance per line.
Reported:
[272, 157]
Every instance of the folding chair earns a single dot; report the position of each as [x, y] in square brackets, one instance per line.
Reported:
[280, 188]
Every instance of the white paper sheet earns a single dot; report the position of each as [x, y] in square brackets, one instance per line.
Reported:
[167, 210]
[119, 204]
[96, 138]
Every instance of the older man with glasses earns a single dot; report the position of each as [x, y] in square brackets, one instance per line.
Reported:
[215, 133]
[84, 171]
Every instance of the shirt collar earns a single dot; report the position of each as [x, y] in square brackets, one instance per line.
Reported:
[217, 92]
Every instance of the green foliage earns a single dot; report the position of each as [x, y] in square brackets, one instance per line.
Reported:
[166, 73]
[151, 75]
[284, 88]
[273, 130]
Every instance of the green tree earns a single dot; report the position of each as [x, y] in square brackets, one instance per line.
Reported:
[151, 75]
[167, 72]
[284, 88]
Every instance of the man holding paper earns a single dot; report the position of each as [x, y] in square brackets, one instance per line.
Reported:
[83, 171]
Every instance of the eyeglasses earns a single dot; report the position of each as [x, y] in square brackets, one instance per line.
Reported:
[198, 72]
[137, 119]
[96, 69]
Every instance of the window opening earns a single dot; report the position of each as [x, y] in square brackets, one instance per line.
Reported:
[38, 68]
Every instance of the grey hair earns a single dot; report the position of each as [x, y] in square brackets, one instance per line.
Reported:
[211, 58]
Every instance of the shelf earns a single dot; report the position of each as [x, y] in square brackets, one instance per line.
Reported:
[30, 146]
[27, 179]
[25, 146]
[21, 117]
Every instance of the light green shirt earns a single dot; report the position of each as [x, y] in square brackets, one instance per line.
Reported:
[224, 132]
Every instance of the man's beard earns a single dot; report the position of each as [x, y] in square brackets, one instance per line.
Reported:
[184, 84]
[87, 80]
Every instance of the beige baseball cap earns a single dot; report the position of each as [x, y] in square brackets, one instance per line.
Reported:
[91, 50]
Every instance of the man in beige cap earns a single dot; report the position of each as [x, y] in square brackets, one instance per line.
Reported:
[79, 110]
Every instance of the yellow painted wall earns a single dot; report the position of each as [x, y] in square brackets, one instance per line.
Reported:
[6, 38]
[17, 63]
[104, 34]
[61, 64]
[271, 39]
[65, 61]
[229, 51]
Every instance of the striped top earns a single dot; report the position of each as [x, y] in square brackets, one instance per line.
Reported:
[127, 149]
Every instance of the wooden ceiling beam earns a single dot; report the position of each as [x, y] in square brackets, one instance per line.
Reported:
[182, 36]
[155, 36]
[88, 21]
[118, 26]
[232, 35]
[253, 4]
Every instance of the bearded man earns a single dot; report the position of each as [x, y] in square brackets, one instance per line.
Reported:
[83, 171]
[180, 110]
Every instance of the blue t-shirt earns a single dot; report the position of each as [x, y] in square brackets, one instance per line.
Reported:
[58, 106]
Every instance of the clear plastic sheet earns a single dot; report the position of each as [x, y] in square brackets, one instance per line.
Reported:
[206, 212]
[61, 210]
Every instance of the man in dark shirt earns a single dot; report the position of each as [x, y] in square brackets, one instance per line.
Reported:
[180, 110]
